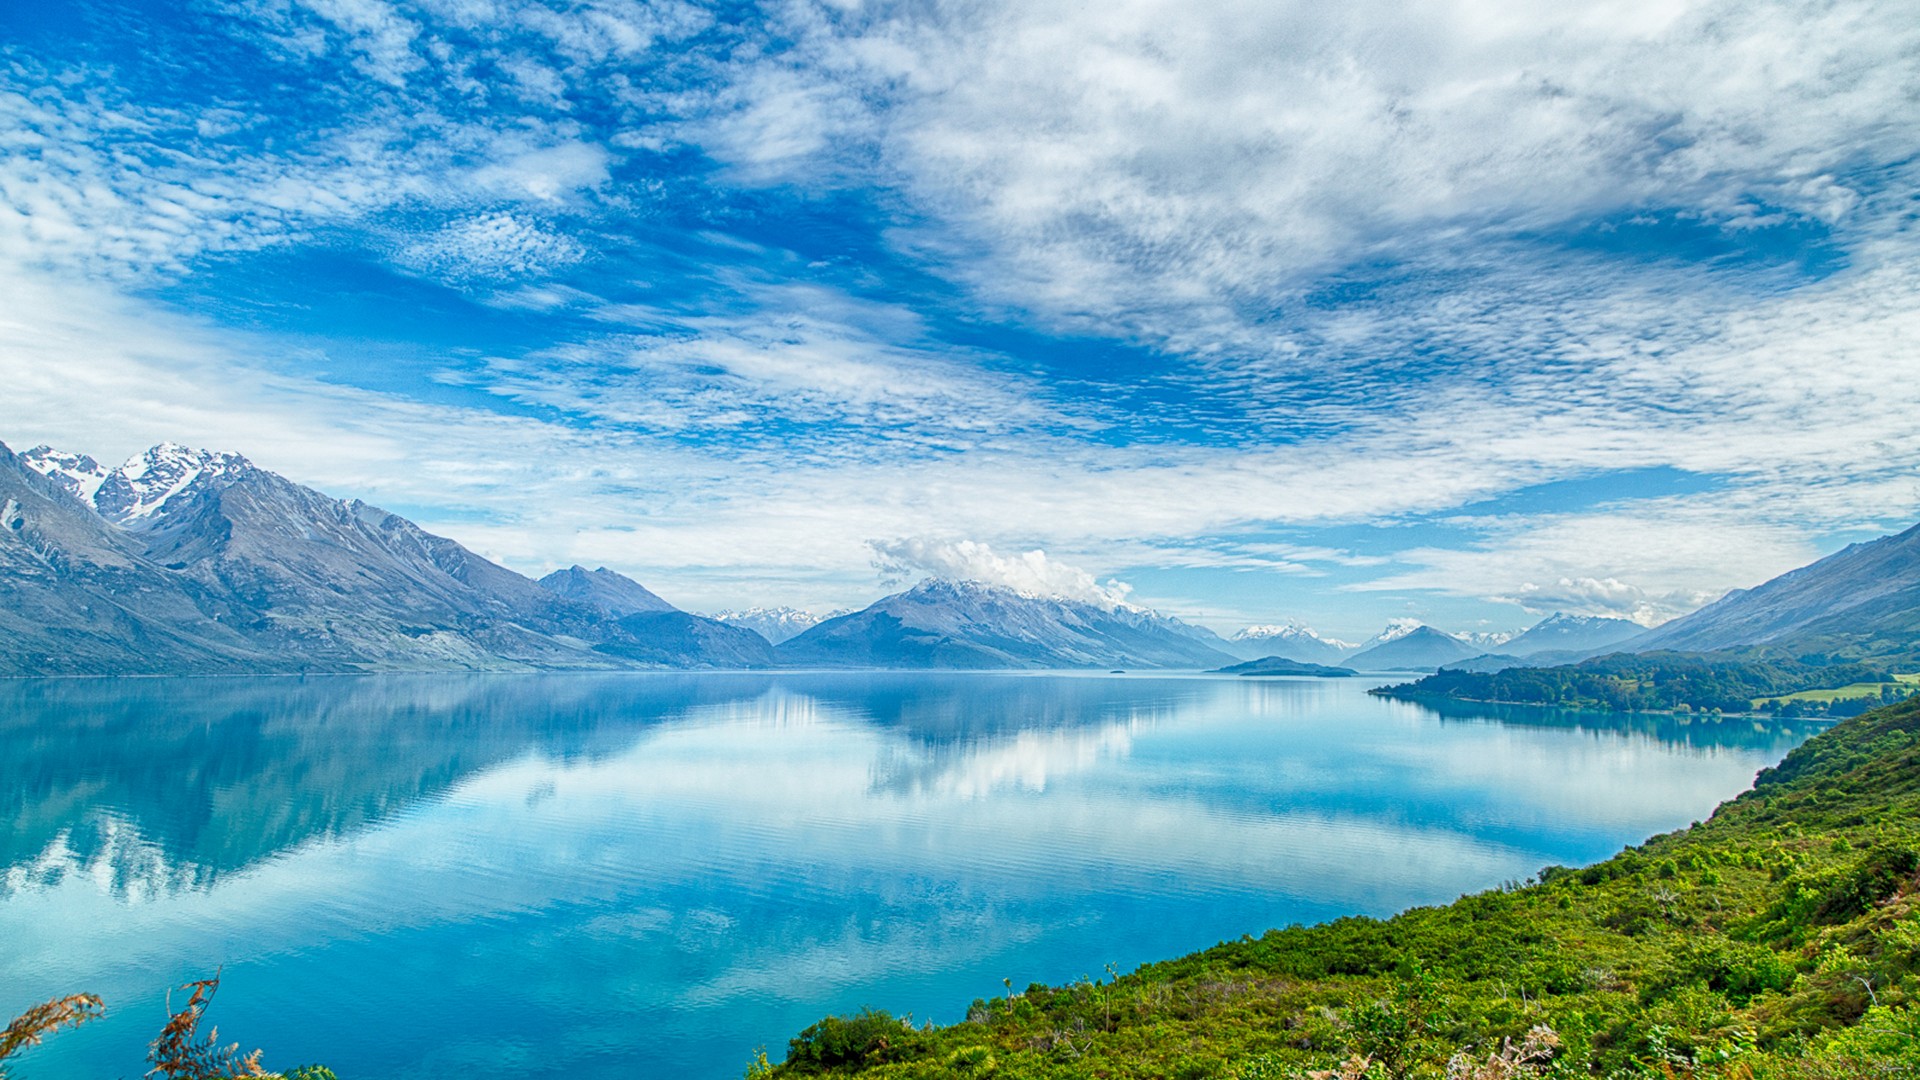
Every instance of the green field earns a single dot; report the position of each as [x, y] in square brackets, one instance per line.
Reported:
[1841, 693]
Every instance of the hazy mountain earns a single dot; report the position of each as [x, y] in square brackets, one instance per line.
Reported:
[1412, 648]
[967, 624]
[1560, 632]
[1291, 640]
[776, 624]
[652, 631]
[1861, 602]
[1488, 662]
[185, 560]
[617, 593]
[1484, 639]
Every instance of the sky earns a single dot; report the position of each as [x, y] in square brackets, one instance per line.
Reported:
[1467, 311]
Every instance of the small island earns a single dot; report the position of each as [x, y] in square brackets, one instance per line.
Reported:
[1280, 665]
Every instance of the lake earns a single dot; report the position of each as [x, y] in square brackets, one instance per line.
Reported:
[652, 875]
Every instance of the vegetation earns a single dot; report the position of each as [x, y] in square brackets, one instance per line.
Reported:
[1850, 700]
[1657, 682]
[1779, 939]
[179, 1052]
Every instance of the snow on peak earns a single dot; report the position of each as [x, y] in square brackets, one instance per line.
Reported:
[1397, 629]
[1291, 630]
[79, 474]
[976, 590]
[140, 489]
[776, 624]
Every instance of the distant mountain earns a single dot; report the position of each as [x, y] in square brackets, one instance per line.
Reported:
[776, 624]
[1483, 639]
[1862, 602]
[653, 631]
[1280, 665]
[1412, 648]
[604, 588]
[1293, 640]
[183, 560]
[967, 624]
[1489, 662]
[1560, 632]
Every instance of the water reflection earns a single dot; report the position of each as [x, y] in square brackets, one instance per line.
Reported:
[648, 875]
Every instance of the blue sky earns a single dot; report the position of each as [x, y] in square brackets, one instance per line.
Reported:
[1467, 311]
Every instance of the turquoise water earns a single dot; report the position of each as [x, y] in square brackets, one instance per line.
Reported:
[641, 876]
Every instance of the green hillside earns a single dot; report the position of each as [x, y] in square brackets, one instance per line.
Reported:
[1656, 682]
[1779, 939]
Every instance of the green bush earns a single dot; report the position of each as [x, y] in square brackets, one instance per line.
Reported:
[869, 1037]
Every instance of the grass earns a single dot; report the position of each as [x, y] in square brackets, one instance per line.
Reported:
[1842, 693]
[1778, 939]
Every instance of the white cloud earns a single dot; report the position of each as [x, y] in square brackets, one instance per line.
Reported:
[967, 560]
[1178, 168]
[499, 244]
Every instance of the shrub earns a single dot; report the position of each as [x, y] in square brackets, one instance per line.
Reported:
[869, 1037]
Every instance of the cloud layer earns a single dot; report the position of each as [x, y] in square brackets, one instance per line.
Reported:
[1273, 310]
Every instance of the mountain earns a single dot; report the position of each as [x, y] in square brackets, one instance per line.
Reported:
[603, 588]
[968, 624]
[1280, 665]
[1412, 648]
[653, 631]
[776, 624]
[79, 596]
[1862, 602]
[184, 560]
[1482, 639]
[1490, 662]
[1560, 632]
[1293, 640]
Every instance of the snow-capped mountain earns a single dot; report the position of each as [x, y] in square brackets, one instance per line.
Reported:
[77, 474]
[185, 560]
[1487, 640]
[1293, 640]
[1410, 645]
[969, 624]
[150, 487]
[1560, 632]
[776, 624]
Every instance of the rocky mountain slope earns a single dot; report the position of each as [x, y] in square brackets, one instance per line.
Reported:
[183, 560]
[1862, 602]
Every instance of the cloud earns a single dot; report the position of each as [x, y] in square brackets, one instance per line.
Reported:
[1609, 597]
[493, 245]
[1179, 169]
[966, 560]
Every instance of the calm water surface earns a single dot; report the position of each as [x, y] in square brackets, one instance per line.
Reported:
[590, 876]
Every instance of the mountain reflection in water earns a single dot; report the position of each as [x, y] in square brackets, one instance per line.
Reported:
[650, 874]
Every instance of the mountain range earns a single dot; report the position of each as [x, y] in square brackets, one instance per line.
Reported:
[1291, 640]
[186, 561]
[191, 561]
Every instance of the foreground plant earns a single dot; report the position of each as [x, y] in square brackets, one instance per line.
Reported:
[179, 1052]
[31, 1026]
